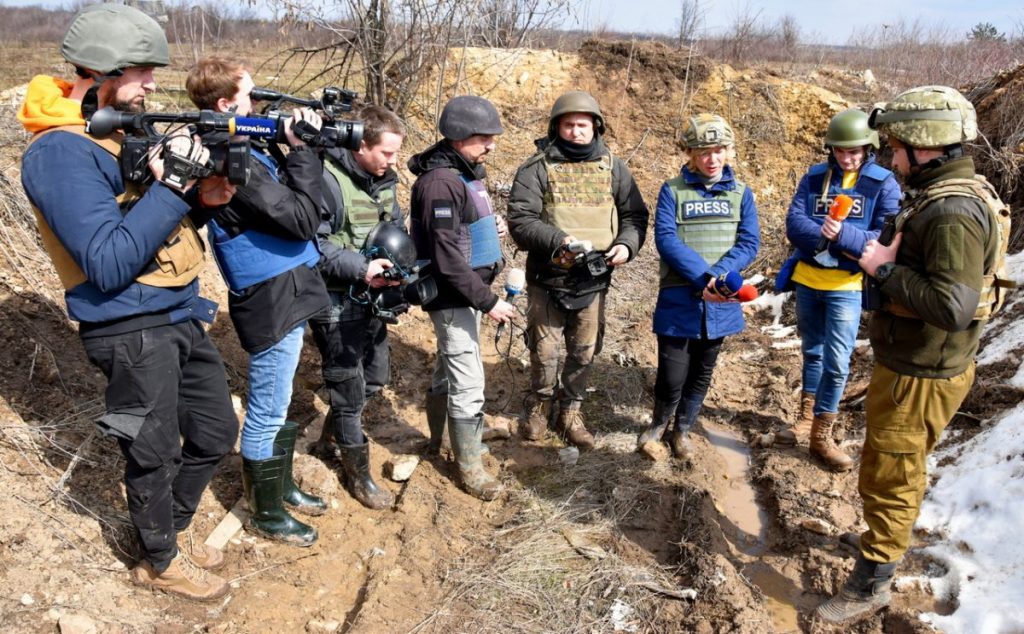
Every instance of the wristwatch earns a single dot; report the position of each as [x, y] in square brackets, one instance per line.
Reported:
[883, 272]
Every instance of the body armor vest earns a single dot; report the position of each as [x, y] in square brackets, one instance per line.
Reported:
[579, 200]
[177, 262]
[483, 248]
[361, 211]
[706, 225]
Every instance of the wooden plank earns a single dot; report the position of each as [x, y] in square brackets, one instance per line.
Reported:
[229, 525]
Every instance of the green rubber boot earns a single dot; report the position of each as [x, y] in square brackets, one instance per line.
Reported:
[295, 498]
[466, 435]
[263, 483]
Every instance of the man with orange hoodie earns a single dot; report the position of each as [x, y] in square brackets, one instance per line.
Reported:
[129, 256]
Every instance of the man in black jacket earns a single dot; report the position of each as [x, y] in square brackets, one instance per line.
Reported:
[359, 193]
[455, 227]
[264, 245]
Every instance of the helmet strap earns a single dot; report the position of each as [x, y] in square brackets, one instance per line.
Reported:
[91, 100]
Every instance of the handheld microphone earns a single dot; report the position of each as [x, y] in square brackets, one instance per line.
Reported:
[840, 210]
[747, 293]
[514, 283]
[728, 284]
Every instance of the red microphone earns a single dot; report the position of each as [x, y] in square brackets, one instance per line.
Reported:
[747, 293]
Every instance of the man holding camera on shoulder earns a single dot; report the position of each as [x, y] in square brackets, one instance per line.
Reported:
[264, 244]
[359, 194]
[578, 212]
[128, 256]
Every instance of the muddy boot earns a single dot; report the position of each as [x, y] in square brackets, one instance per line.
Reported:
[865, 592]
[536, 425]
[263, 483]
[824, 447]
[206, 557]
[570, 421]
[686, 418]
[437, 417]
[182, 578]
[851, 541]
[663, 413]
[295, 498]
[466, 434]
[800, 431]
[355, 460]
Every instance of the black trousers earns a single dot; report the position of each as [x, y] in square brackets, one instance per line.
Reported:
[356, 365]
[169, 383]
[685, 367]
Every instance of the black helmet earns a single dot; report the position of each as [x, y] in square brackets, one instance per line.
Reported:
[467, 115]
[387, 240]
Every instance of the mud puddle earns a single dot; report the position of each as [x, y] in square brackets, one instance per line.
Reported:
[745, 525]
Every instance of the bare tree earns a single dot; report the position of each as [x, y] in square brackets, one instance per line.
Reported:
[507, 23]
[691, 17]
[789, 35]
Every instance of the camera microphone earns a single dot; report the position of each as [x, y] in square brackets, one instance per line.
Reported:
[515, 281]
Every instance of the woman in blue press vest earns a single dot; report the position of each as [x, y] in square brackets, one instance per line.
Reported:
[824, 273]
[705, 229]
[265, 246]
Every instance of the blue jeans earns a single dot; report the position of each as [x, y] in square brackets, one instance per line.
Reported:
[270, 392]
[828, 322]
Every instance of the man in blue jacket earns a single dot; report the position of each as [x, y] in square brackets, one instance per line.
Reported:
[129, 257]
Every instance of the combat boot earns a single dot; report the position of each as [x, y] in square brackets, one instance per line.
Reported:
[536, 425]
[466, 435]
[437, 418]
[182, 578]
[263, 483]
[865, 592]
[570, 421]
[295, 498]
[824, 447]
[660, 419]
[202, 555]
[355, 460]
[801, 430]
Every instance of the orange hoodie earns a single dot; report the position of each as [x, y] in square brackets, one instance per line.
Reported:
[47, 105]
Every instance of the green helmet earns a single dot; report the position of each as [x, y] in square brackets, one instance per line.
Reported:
[108, 37]
[927, 117]
[850, 128]
[707, 130]
[577, 101]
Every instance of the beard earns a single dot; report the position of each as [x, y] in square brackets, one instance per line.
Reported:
[130, 107]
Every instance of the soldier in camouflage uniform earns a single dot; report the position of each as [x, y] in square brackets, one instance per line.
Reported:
[938, 282]
[572, 190]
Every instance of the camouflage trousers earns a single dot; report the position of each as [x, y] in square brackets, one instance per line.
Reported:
[583, 331]
[906, 415]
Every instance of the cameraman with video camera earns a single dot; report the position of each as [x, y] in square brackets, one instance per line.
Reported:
[129, 255]
[572, 190]
[264, 244]
[359, 193]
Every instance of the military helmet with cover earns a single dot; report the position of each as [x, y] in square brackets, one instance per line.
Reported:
[109, 37]
[927, 117]
[850, 129]
[572, 102]
[707, 130]
[468, 115]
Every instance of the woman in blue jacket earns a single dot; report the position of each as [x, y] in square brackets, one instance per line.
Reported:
[825, 275]
[705, 227]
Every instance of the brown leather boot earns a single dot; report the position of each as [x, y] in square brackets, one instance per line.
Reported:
[536, 425]
[801, 430]
[206, 557]
[573, 430]
[182, 578]
[824, 447]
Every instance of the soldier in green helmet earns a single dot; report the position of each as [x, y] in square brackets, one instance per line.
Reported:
[573, 191]
[824, 275]
[936, 265]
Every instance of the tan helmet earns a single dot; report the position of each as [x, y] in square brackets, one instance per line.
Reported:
[576, 101]
[927, 117]
[849, 129]
[707, 130]
[109, 37]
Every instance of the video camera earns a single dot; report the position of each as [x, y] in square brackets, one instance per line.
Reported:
[334, 102]
[416, 289]
[230, 159]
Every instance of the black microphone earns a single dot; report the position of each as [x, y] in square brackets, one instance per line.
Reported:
[514, 283]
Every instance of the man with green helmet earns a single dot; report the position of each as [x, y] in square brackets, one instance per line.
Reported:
[129, 257]
[934, 265]
[571, 193]
[824, 275]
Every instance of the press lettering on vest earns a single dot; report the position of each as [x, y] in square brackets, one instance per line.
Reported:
[706, 208]
[823, 203]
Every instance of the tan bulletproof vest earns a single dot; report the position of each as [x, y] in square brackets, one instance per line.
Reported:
[579, 200]
[176, 263]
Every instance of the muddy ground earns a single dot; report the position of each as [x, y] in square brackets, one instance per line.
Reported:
[614, 542]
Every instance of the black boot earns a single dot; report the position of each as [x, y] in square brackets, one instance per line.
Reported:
[263, 483]
[686, 418]
[663, 412]
[294, 498]
[865, 592]
[437, 418]
[355, 459]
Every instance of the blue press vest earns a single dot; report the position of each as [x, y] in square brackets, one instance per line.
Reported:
[864, 193]
[484, 247]
[253, 256]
